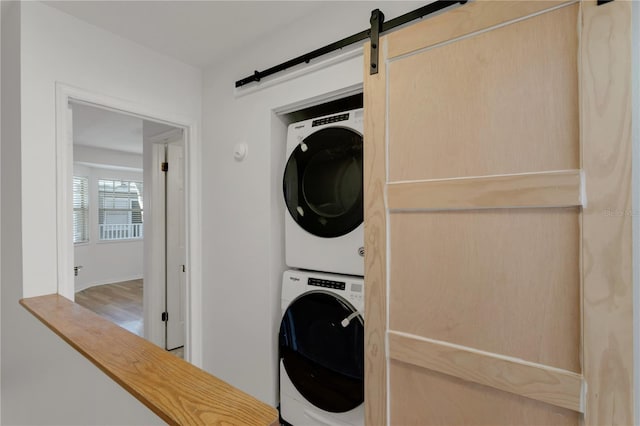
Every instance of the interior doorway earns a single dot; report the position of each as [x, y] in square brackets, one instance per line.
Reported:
[129, 220]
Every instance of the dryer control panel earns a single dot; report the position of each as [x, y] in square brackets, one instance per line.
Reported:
[338, 285]
[332, 119]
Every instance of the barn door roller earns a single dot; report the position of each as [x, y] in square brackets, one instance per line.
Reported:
[378, 26]
[377, 18]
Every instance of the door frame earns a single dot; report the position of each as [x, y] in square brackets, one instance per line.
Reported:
[64, 171]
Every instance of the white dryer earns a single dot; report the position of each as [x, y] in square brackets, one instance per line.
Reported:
[323, 192]
[322, 349]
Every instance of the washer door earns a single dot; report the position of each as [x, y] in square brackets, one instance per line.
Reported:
[322, 182]
[323, 358]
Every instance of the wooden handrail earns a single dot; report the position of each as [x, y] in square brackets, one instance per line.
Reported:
[178, 392]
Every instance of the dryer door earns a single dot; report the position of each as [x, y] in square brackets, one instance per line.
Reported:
[323, 182]
[324, 358]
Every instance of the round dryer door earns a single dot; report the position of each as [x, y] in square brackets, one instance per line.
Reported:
[322, 349]
[323, 182]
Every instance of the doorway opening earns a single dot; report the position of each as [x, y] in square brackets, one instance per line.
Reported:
[129, 220]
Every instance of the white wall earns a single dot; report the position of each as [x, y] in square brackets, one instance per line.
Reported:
[105, 262]
[10, 246]
[44, 381]
[59, 48]
[106, 157]
[242, 205]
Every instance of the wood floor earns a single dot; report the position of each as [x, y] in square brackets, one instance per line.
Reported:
[120, 303]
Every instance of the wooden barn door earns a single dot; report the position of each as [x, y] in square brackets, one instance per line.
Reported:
[498, 245]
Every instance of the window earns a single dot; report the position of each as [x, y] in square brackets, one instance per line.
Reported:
[120, 210]
[80, 209]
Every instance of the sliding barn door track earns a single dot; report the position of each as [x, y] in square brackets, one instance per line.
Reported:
[378, 27]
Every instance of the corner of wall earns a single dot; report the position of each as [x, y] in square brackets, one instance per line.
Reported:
[10, 190]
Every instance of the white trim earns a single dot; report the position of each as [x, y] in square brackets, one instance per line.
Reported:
[308, 69]
[108, 167]
[124, 240]
[354, 89]
[64, 172]
[193, 323]
[169, 136]
[111, 281]
[64, 167]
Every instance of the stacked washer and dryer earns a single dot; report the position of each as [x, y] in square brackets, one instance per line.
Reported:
[321, 337]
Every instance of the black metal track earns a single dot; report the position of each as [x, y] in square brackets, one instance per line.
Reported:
[362, 35]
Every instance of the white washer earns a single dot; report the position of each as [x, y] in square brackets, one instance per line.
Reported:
[322, 349]
[323, 192]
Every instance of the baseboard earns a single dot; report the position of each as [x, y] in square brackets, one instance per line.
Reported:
[109, 281]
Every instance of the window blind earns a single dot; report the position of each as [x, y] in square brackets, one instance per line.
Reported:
[80, 209]
[120, 209]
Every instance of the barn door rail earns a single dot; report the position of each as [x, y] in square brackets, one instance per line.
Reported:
[378, 27]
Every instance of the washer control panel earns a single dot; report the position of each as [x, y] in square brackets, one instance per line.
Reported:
[295, 283]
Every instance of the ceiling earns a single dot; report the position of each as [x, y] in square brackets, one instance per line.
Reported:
[194, 32]
[198, 33]
[101, 128]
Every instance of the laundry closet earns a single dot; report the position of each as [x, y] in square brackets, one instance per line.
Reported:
[497, 281]
[321, 337]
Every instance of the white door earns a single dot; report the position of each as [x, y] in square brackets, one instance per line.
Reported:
[175, 246]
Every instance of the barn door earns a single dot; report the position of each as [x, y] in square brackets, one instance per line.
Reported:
[498, 287]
